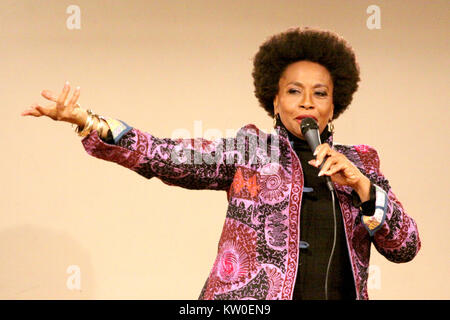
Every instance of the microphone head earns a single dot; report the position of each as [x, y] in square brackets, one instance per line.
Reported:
[308, 123]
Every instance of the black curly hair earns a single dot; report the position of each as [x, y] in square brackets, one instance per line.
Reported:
[295, 44]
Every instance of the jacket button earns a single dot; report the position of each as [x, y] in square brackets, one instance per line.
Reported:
[304, 245]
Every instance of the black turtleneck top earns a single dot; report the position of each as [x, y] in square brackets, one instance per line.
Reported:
[316, 235]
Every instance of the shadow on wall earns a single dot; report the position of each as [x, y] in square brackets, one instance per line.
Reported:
[41, 263]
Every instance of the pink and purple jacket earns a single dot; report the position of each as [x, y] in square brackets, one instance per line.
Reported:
[258, 250]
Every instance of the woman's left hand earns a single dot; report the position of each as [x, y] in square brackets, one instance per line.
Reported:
[338, 167]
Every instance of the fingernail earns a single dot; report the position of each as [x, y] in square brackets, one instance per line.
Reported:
[320, 173]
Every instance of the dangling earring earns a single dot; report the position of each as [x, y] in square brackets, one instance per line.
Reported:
[276, 118]
[331, 127]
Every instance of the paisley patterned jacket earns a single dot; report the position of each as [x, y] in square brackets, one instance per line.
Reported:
[258, 250]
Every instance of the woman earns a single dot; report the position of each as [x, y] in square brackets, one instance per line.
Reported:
[282, 237]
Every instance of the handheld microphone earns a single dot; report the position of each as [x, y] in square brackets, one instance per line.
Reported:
[310, 131]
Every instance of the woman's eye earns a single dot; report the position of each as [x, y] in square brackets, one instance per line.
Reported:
[322, 94]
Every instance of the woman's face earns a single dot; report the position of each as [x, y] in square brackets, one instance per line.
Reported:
[304, 89]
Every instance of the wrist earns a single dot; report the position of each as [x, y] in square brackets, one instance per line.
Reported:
[362, 188]
[80, 117]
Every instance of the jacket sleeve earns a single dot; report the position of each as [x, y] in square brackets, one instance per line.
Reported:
[189, 163]
[393, 232]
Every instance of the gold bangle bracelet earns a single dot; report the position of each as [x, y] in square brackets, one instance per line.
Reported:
[100, 126]
[88, 126]
[90, 120]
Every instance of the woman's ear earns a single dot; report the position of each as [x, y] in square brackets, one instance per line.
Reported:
[275, 105]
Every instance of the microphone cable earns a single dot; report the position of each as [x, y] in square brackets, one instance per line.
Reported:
[334, 244]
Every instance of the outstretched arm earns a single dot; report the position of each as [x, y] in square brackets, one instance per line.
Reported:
[189, 163]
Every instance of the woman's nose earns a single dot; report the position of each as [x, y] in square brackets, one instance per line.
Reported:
[306, 103]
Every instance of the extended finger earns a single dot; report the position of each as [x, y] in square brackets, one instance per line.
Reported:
[33, 110]
[74, 98]
[63, 96]
[47, 94]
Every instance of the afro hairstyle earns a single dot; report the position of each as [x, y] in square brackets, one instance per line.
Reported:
[296, 44]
